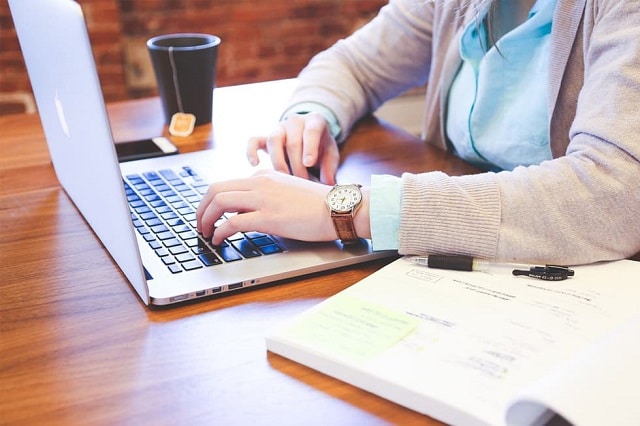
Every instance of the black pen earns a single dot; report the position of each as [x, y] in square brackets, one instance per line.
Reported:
[546, 273]
[469, 263]
[451, 262]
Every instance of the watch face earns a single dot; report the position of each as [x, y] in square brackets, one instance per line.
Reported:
[344, 198]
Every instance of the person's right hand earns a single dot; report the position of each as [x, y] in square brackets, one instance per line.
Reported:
[297, 144]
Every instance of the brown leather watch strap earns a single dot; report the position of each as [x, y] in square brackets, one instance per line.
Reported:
[343, 223]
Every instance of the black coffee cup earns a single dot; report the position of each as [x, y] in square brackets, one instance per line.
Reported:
[185, 69]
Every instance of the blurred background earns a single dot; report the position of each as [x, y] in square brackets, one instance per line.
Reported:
[261, 40]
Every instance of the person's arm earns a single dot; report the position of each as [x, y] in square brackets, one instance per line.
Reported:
[387, 56]
[381, 60]
[314, 107]
[579, 208]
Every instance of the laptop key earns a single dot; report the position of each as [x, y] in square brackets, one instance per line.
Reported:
[228, 254]
[162, 252]
[209, 259]
[143, 230]
[191, 217]
[148, 215]
[270, 249]
[175, 250]
[168, 174]
[185, 211]
[191, 265]
[187, 235]
[175, 222]
[149, 237]
[202, 189]
[159, 229]
[191, 242]
[169, 215]
[142, 209]
[261, 241]
[199, 247]
[172, 242]
[154, 222]
[175, 268]
[245, 247]
[181, 228]
[184, 257]
[167, 235]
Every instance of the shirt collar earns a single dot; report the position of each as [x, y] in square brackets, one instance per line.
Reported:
[474, 40]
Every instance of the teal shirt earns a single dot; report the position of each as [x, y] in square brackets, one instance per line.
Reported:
[497, 110]
[496, 113]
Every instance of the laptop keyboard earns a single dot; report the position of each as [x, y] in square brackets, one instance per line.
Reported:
[163, 207]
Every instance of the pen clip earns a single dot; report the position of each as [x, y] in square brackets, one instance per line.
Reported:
[546, 273]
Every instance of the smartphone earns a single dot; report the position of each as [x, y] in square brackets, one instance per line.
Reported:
[145, 148]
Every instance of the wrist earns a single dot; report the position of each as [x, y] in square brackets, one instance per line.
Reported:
[307, 107]
[349, 212]
[361, 218]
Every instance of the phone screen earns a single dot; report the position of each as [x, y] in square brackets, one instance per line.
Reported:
[145, 148]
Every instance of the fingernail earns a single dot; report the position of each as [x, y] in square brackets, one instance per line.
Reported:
[308, 160]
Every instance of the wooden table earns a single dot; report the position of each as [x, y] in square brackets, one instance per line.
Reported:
[77, 345]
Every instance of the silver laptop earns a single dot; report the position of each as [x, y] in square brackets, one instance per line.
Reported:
[142, 211]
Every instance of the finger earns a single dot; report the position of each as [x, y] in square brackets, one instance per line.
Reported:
[294, 126]
[220, 198]
[225, 203]
[244, 222]
[207, 217]
[204, 203]
[254, 145]
[328, 175]
[275, 146]
[330, 160]
[314, 128]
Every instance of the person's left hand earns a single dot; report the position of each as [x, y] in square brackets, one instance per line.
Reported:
[270, 202]
[297, 144]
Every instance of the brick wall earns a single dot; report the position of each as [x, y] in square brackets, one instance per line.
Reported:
[261, 39]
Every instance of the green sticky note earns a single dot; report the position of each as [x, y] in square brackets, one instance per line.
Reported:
[352, 328]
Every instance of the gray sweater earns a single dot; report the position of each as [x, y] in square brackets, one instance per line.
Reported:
[582, 206]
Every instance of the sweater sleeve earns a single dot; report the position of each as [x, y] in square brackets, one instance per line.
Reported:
[578, 208]
[384, 58]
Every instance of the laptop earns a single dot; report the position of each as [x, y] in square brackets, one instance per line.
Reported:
[144, 211]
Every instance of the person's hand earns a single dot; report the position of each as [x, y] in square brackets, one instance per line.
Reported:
[298, 143]
[269, 202]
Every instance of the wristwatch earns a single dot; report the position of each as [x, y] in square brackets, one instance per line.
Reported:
[343, 201]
